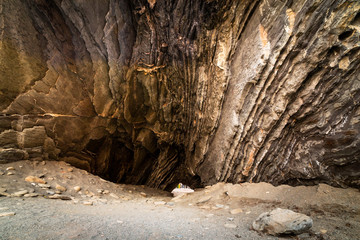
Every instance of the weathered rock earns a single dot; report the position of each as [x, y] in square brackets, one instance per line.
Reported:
[10, 168]
[34, 179]
[223, 90]
[5, 214]
[29, 195]
[77, 188]
[60, 188]
[236, 211]
[58, 196]
[45, 186]
[282, 221]
[20, 193]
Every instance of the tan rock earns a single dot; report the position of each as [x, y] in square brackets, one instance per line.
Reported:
[236, 211]
[77, 188]
[5, 214]
[88, 203]
[143, 194]
[60, 188]
[35, 179]
[10, 173]
[19, 193]
[10, 168]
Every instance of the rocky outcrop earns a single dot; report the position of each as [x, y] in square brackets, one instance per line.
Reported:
[154, 92]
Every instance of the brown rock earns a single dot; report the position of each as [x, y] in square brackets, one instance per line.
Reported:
[60, 188]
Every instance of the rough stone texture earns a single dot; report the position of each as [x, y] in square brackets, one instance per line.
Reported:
[157, 92]
[282, 221]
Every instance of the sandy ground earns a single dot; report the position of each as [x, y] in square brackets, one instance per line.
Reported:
[104, 210]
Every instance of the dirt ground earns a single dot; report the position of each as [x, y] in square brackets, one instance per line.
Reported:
[98, 209]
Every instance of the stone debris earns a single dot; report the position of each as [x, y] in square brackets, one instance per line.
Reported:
[113, 195]
[236, 211]
[230, 225]
[77, 188]
[28, 195]
[34, 179]
[5, 214]
[58, 196]
[88, 203]
[50, 192]
[20, 193]
[230, 219]
[44, 186]
[10, 173]
[282, 221]
[204, 199]
[143, 194]
[106, 192]
[3, 189]
[60, 188]
[10, 168]
[323, 231]
[160, 203]
[70, 169]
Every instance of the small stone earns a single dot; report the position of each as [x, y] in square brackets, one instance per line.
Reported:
[282, 221]
[10, 168]
[5, 214]
[2, 173]
[219, 205]
[170, 203]
[43, 163]
[236, 211]
[248, 212]
[160, 203]
[58, 196]
[70, 169]
[60, 188]
[4, 194]
[77, 188]
[106, 192]
[50, 192]
[34, 179]
[50, 178]
[113, 195]
[230, 225]
[31, 195]
[323, 231]
[10, 173]
[204, 199]
[42, 185]
[230, 219]
[100, 191]
[88, 203]
[143, 194]
[3, 189]
[19, 193]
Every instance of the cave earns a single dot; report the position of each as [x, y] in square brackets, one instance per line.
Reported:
[159, 92]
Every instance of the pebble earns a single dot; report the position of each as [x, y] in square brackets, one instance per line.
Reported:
[10, 173]
[50, 192]
[114, 195]
[106, 192]
[60, 188]
[34, 179]
[160, 203]
[31, 195]
[20, 193]
[58, 196]
[3, 189]
[42, 185]
[88, 203]
[323, 231]
[100, 191]
[143, 194]
[219, 205]
[77, 188]
[230, 219]
[70, 169]
[5, 214]
[236, 211]
[10, 168]
[230, 225]
[204, 199]
[2, 173]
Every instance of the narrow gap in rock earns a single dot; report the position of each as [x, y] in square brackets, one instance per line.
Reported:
[345, 35]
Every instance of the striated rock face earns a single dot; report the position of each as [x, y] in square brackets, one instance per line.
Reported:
[156, 92]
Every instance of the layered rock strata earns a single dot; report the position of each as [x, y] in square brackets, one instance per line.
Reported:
[156, 92]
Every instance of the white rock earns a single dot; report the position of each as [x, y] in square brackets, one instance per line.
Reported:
[5, 214]
[230, 225]
[282, 221]
[88, 203]
[10, 168]
[77, 188]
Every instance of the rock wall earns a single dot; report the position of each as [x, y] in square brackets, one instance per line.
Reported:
[157, 92]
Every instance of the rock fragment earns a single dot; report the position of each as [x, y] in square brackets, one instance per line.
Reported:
[5, 214]
[77, 188]
[236, 211]
[282, 221]
[60, 188]
[10, 168]
[34, 179]
[20, 193]
[58, 196]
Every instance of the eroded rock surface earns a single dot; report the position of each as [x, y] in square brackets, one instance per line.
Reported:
[154, 92]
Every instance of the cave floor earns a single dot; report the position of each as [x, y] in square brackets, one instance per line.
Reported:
[98, 209]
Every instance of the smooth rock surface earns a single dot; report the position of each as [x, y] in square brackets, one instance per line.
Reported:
[282, 221]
